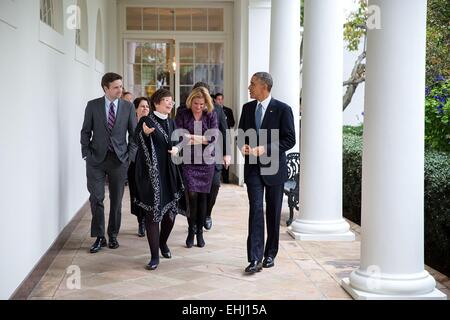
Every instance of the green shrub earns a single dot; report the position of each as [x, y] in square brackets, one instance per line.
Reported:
[437, 115]
[436, 199]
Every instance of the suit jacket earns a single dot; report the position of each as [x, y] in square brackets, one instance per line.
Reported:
[95, 136]
[230, 117]
[278, 116]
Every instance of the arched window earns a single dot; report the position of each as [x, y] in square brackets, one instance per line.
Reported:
[82, 31]
[99, 52]
[51, 13]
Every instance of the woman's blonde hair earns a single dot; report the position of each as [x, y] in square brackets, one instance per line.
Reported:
[201, 93]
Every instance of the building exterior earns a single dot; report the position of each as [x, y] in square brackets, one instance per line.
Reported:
[56, 51]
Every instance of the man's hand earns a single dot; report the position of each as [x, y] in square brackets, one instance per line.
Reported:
[258, 151]
[246, 150]
[174, 151]
[226, 161]
[147, 131]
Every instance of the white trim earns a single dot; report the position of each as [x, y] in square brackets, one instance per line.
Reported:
[225, 37]
[82, 56]
[7, 13]
[51, 37]
[260, 4]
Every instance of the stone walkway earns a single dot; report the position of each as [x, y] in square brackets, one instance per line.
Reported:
[303, 270]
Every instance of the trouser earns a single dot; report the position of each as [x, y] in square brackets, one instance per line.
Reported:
[96, 175]
[274, 200]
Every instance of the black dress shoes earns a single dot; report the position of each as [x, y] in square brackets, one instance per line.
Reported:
[113, 243]
[268, 262]
[208, 223]
[98, 244]
[254, 267]
[152, 265]
[165, 251]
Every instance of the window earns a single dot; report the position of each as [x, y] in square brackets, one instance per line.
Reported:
[174, 19]
[201, 62]
[150, 66]
[82, 31]
[51, 13]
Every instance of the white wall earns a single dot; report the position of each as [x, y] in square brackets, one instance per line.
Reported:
[44, 95]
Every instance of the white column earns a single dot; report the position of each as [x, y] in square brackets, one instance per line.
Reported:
[285, 57]
[321, 138]
[392, 244]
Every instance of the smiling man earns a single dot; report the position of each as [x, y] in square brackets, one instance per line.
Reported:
[106, 151]
[273, 123]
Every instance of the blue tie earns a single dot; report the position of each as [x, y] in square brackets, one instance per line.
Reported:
[258, 117]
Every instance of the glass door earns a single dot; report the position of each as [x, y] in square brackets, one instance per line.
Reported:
[201, 61]
[150, 66]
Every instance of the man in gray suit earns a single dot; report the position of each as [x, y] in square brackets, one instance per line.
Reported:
[106, 151]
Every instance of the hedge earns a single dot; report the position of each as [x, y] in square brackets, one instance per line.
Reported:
[436, 201]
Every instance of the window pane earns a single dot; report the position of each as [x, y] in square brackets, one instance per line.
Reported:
[148, 75]
[187, 74]
[134, 51]
[137, 91]
[201, 53]
[149, 90]
[185, 91]
[216, 74]
[151, 19]
[134, 18]
[217, 90]
[166, 19]
[163, 77]
[162, 50]
[215, 19]
[137, 74]
[216, 52]
[199, 19]
[201, 73]
[183, 19]
[186, 52]
[149, 53]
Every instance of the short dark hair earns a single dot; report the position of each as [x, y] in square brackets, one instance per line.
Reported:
[109, 78]
[157, 97]
[125, 93]
[202, 84]
[138, 101]
[265, 78]
[218, 95]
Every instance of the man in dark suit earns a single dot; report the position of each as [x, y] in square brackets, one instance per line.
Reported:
[218, 101]
[266, 132]
[106, 151]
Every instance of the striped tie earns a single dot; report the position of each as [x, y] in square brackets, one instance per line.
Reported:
[111, 122]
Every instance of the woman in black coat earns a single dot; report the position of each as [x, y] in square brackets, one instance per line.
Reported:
[159, 187]
[142, 107]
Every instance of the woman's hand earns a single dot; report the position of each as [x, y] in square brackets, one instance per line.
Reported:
[147, 131]
[195, 140]
[174, 151]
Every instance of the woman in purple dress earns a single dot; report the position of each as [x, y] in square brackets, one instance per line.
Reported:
[201, 125]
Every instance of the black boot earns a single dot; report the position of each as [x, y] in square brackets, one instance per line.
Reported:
[200, 240]
[191, 234]
[141, 229]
